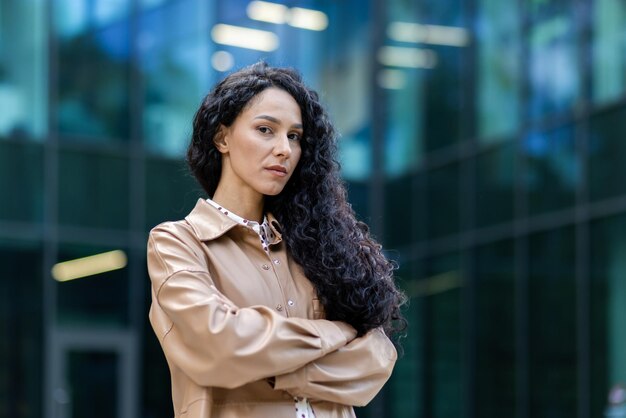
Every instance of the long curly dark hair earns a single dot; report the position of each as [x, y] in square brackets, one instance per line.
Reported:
[352, 277]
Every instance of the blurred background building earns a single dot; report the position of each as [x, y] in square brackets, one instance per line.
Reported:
[483, 140]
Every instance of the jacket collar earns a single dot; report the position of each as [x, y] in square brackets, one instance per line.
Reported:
[208, 223]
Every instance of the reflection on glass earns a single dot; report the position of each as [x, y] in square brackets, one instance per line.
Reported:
[553, 171]
[554, 70]
[23, 69]
[499, 70]
[21, 331]
[173, 91]
[608, 308]
[553, 343]
[495, 300]
[443, 109]
[609, 49]
[175, 63]
[443, 201]
[495, 185]
[403, 136]
[93, 190]
[21, 181]
[93, 70]
[607, 155]
[97, 300]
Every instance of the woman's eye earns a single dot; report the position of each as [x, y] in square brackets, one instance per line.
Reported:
[294, 137]
[264, 129]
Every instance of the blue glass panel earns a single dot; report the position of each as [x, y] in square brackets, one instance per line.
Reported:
[609, 50]
[553, 169]
[495, 185]
[93, 83]
[23, 69]
[608, 304]
[607, 154]
[21, 329]
[495, 334]
[93, 190]
[443, 201]
[21, 181]
[554, 70]
[553, 331]
[444, 343]
[499, 70]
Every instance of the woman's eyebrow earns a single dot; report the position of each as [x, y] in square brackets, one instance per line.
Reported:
[274, 120]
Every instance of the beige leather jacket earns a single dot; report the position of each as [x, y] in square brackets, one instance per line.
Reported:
[243, 332]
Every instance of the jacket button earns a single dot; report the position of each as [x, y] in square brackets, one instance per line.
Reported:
[279, 307]
[290, 302]
[276, 261]
[265, 267]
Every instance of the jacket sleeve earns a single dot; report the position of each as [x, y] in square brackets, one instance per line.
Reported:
[352, 375]
[210, 339]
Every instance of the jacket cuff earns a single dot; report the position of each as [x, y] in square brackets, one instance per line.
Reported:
[334, 334]
[290, 381]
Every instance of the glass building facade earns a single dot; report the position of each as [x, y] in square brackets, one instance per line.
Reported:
[480, 139]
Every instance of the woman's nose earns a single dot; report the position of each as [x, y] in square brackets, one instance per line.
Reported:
[282, 146]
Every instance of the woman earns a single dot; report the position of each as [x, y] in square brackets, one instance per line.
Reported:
[270, 299]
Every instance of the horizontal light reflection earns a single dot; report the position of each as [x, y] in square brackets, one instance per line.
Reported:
[260, 40]
[265, 11]
[428, 34]
[307, 19]
[88, 266]
[395, 56]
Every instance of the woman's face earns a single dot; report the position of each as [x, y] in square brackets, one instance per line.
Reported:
[261, 149]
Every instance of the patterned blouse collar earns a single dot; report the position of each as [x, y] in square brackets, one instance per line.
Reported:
[262, 229]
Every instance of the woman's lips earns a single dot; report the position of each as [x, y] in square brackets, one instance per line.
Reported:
[277, 170]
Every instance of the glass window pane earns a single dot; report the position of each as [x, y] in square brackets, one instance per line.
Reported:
[443, 201]
[93, 190]
[21, 332]
[93, 70]
[407, 381]
[609, 49]
[608, 308]
[171, 191]
[98, 299]
[404, 124]
[553, 343]
[92, 383]
[358, 196]
[553, 169]
[444, 112]
[499, 70]
[175, 63]
[444, 338]
[399, 211]
[554, 69]
[495, 346]
[607, 155]
[23, 69]
[21, 181]
[495, 185]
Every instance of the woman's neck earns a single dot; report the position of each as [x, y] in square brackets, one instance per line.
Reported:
[248, 208]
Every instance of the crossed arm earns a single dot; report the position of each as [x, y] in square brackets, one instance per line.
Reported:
[219, 344]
